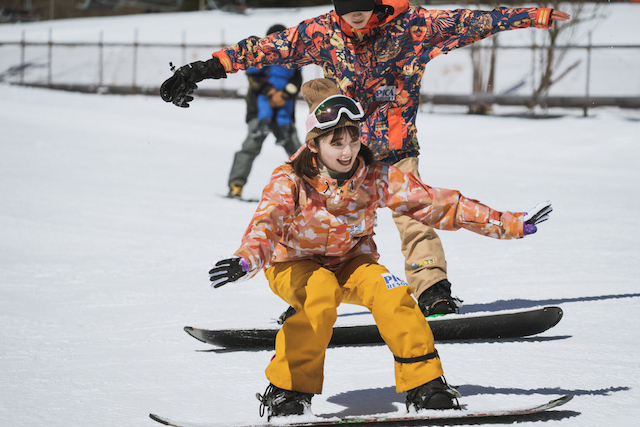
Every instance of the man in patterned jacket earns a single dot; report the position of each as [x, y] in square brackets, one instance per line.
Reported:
[376, 52]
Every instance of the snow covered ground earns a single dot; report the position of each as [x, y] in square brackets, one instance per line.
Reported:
[110, 216]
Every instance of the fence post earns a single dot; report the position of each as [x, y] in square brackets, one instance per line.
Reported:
[22, 65]
[534, 46]
[222, 81]
[184, 47]
[135, 60]
[49, 57]
[100, 60]
[586, 108]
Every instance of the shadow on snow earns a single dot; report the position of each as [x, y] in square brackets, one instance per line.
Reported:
[384, 400]
[517, 304]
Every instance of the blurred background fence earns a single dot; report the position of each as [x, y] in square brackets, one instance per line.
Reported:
[139, 68]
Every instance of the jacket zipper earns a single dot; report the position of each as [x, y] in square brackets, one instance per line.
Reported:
[337, 197]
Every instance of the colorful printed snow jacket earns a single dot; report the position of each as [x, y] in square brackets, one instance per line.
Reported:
[381, 65]
[302, 218]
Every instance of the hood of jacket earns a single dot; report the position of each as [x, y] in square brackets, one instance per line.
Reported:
[383, 12]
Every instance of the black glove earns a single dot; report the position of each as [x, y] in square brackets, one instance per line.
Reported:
[180, 86]
[227, 270]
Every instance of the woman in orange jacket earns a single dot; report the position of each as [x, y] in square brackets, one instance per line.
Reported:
[313, 235]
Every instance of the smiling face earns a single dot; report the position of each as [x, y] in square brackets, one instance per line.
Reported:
[357, 20]
[337, 150]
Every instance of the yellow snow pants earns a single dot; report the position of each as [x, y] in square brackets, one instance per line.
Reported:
[315, 293]
[424, 263]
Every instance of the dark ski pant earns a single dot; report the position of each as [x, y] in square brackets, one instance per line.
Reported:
[258, 130]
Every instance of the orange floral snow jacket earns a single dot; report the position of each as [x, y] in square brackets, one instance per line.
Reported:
[301, 218]
[382, 64]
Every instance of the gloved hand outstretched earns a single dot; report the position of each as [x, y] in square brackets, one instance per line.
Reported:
[535, 216]
[228, 269]
[182, 84]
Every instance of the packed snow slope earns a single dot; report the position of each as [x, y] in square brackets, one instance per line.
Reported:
[110, 216]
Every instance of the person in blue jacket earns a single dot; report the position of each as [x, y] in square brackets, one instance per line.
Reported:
[270, 109]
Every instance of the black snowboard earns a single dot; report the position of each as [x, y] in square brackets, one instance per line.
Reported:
[464, 327]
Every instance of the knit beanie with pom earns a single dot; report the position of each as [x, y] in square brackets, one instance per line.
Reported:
[314, 92]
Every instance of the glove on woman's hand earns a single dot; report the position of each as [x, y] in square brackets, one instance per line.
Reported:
[228, 269]
[535, 216]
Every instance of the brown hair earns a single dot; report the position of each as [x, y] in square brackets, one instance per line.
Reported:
[305, 165]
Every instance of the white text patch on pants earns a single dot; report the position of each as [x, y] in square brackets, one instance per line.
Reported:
[393, 281]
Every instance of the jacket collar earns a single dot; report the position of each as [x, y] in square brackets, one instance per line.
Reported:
[328, 187]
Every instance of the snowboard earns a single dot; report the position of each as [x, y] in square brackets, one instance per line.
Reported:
[447, 417]
[452, 327]
[240, 199]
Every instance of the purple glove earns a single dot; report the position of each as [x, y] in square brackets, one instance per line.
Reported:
[537, 215]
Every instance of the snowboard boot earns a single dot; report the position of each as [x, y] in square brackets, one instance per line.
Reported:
[438, 300]
[281, 403]
[285, 315]
[436, 394]
[235, 190]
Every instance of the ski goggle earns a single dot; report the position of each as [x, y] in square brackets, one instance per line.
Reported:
[329, 112]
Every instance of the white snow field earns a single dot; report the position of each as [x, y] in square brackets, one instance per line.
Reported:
[110, 216]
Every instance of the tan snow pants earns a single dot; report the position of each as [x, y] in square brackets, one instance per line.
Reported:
[316, 292]
[424, 263]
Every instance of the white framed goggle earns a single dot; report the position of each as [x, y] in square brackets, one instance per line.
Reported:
[329, 112]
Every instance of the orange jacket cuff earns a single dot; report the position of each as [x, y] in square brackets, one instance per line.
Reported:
[224, 60]
[543, 18]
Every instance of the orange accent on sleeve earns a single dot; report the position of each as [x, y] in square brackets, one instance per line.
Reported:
[224, 60]
[543, 18]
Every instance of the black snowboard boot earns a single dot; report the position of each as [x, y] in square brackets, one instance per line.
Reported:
[436, 394]
[281, 403]
[285, 315]
[438, 300]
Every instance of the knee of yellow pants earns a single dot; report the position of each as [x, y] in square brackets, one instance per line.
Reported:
[400, 322]
[301, 343]
[407, 335]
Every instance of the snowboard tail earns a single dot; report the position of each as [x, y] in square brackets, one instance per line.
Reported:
[515, 324]
[391, 420]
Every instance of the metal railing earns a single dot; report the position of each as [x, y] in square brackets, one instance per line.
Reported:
[91, 77]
